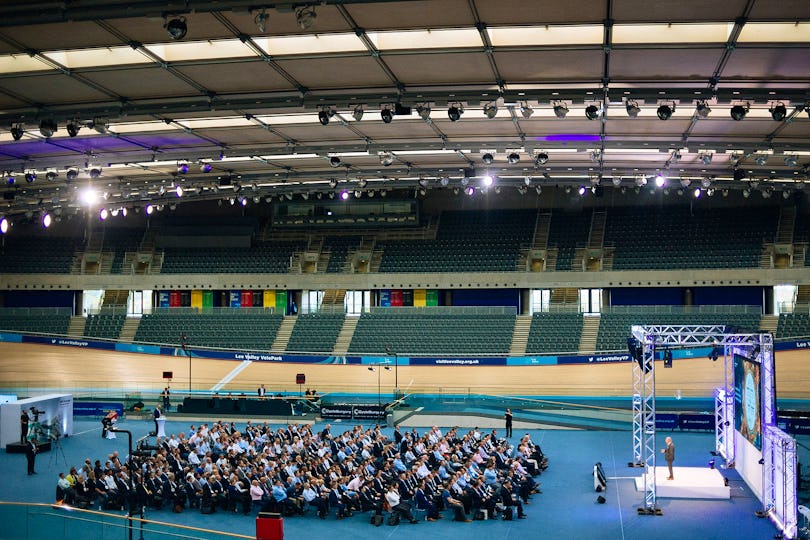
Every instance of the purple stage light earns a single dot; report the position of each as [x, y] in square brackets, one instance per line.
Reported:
[569, 137]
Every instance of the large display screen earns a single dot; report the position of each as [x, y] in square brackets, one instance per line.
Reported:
[748, 400]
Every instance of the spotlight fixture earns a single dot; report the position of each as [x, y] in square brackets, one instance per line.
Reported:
[778, 112]
[334, 161]
[791, 161]
[541, 159]
[706, 182]
[344, 195]
[362, 183]
[182, 168]
[4, 225]
[738, 112]
[261, 21]
[30, 176]
[706, 159]
[177, 28]
[357, 113]
[333, 183]
[527, 181]
[487, 181]
[424, 111]
[665, 111]
[697, 193]
[71, 174]
[17, 131]
[325, 114]
[513, 158]
[50, 176]
[46, 220]
[205, 167]
[386, 159]
[632, 109]
[526, 111]
[560, 110]
[444, 181]
[178, 191]
[581, 190]
[94, 172]
[595, 155]
[762, 160]
[491, 110]
[454, 112]
[305, 17]
[660, 181]
[469, 190]
[591, 112]
[387, 115]
[103, 214]
[73, 128]
[487, 158]
[47, 127]
[149, 209]
[702, 109]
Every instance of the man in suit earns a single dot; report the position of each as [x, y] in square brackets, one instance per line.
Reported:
[669, 456]
[508, 418]
[24, 419]
[261, 391]
[31, 456]
[155, 415]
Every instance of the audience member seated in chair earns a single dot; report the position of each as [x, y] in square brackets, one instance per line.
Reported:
[397, 505]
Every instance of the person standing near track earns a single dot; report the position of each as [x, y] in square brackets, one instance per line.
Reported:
[508, 418]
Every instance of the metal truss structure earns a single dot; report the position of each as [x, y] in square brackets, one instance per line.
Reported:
[650, 337]
[780, 471]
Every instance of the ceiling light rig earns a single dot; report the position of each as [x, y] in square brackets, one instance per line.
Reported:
[778, 112]
[560, 109]
[491, 110]
[261, 21]
[632, 109]
[48, 127]
[386, 114]
[305, 17]
[423, 110]
[176, 28]
[357, 113]
[513, 158]
[738, 112]
[454, 112]
[325, 114]
[702, 109]
[591, 112]
[665, 111]
[334, 161]
[73, 127]
[525, 110]
[17, 132]
[487, 158]
[540, 159]
[386, 159]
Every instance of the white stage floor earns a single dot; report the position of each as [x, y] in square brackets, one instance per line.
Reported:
[689, 483]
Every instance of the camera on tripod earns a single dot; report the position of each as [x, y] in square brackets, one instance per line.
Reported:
[36, 413]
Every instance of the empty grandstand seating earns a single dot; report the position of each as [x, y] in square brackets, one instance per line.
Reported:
[339, 248]
[247, 329]
[315, 332]
[685, 237]
[262, 258]
[568, 230]
[104, 325]
[615, 326]
[554, 332]
[434, 331]
[53, 321]
[792, 325]
[465, 242]
[36, 254]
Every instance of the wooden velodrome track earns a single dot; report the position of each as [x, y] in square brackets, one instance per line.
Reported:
[38, 368]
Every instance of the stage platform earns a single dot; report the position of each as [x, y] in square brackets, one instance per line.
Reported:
[19, 448]
[689, 483]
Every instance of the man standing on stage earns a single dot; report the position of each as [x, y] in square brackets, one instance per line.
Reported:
[669, 456]
[155, 415]
[508, 418]
[165, 395]
[24, 418]
[261, 391]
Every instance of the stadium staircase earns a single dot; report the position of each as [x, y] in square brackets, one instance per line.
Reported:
[590, 329]
[284, 333]
[769, 323]
[538, 257]
[76, 328]
[520, 336]
[129, 330]
[345, 336]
